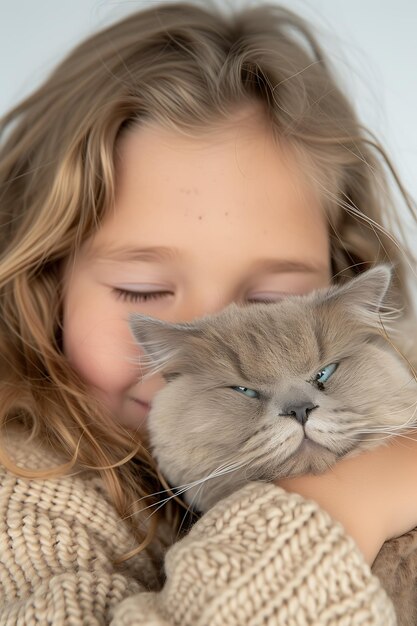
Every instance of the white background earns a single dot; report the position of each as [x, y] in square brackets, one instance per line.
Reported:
[372, 44]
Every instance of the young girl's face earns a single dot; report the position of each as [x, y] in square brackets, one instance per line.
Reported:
[197, 223]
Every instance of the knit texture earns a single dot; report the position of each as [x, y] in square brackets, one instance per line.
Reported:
[258, 557]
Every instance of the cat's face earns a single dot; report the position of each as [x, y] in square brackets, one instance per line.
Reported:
[265, 391]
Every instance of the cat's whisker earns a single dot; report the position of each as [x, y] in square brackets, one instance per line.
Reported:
[411, 380]
[381, 429]
[193, 500]
[366, 410]
[359, 408]
[393, 427]
[157, 493]
[387, 436]
[409, 424]
[164, 501]
[190, 510]
[390, 431]
[219, 471]
[403, 436]
[397, 435]
[161, 503]
[405, 408]
[174, 491]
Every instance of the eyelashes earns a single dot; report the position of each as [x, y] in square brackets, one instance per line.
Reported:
[148, 296]
[139, 296]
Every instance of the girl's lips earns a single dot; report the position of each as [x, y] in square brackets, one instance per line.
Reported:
[145, 405]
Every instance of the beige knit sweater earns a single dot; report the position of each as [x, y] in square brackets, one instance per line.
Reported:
[259, 557]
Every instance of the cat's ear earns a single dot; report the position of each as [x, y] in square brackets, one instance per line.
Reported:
[162, 342]
[365, 294]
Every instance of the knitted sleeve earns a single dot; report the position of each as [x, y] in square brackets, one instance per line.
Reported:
[263, 556]
[58, 541]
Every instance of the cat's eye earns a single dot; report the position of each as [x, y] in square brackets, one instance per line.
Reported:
[324, 374]
[250, 393]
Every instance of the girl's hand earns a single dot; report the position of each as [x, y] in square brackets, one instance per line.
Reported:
[372, 494]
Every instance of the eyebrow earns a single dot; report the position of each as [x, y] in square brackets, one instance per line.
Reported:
[151, 254]
[133, 254]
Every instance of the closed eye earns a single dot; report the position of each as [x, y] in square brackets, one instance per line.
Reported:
[147, 296]
[267, 297]
[139, 296]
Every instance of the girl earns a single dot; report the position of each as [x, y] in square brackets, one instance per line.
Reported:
[174, 162]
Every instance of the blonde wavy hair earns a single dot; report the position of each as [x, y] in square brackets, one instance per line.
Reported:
[184, 66]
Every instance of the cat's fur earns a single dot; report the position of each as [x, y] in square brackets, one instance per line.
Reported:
[214, 439]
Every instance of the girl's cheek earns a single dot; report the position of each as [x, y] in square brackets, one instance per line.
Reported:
[102, 351]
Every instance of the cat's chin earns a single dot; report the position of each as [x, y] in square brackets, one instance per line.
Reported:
[309, 457]
[308, 446]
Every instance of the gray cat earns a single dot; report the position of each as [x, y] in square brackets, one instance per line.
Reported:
[264, 391]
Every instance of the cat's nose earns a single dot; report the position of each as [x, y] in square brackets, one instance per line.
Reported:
[300, 412]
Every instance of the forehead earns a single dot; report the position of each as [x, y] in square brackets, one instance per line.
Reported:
[204, 192]
[266, 341]
[294, 337]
